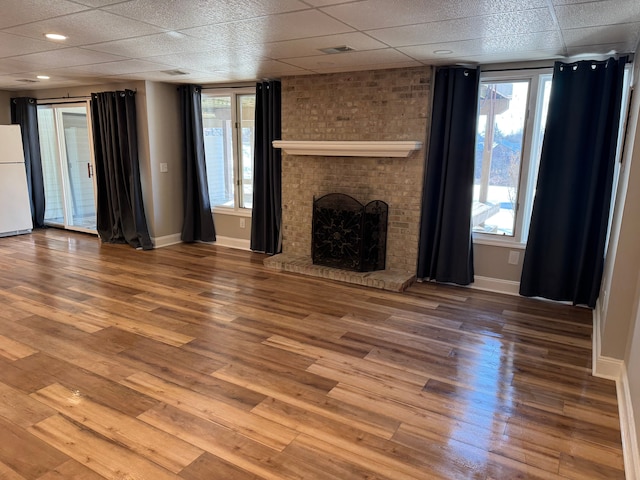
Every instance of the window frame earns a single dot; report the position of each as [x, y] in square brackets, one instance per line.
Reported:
[528, 164]
[235, 93]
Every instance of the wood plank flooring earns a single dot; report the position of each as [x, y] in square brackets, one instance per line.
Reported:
[195, 362]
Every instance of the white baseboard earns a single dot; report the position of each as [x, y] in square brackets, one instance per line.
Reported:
[239, 243]
[630, 447]
[614, 369]
[165, 241]
[231, 242]
[496, 285]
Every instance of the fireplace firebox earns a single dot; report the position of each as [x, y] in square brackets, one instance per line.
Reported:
[349, 235]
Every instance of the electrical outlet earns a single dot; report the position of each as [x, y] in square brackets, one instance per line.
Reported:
[514, 257]
[164, 168]
[242, 223]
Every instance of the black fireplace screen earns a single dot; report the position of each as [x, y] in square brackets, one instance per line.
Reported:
[349, 235]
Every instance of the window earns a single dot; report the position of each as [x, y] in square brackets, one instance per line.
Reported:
[511, 119]
[228, 124]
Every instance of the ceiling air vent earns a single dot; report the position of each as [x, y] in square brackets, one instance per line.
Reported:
[341, 49]
[175, 73]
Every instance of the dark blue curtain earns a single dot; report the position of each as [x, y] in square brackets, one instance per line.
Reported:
[564, 257]
[198, 220]
[120, 209]
[24, 112]
[266, 222]
[446, 247]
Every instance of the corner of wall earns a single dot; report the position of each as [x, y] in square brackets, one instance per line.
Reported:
[603, 367]
[630, 448]
[614, 369]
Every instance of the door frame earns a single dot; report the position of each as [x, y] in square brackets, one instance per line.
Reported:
[63, 176]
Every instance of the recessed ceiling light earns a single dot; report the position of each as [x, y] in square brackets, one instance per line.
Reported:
[55, 36]
[442, 52]
[43, 77]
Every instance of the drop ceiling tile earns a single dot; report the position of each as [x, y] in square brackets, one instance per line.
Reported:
[87, 27]
[326, 3]
[586, 52]
[567, 2]
[193, 13]
[206, 57]
[311, 46]
[264, 69]
[211, 61]
[8, 66]
[97, 3]
[68, 57]
[488, 46]
[350, 59]
[608, 12]
[250, 71]
[117, 68]
[29, 82]
[626, 34]
[18, 12]
[13, 83]
[161, 76]
[377, 66]
[150, 45]
[538, 20]
[372, 14]
[287, 26]
[274, 68]
[13, 45]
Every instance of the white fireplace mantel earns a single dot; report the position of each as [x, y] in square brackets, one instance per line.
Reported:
[348, 148]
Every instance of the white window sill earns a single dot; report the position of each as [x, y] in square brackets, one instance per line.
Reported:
[240, 212]
[498, 241]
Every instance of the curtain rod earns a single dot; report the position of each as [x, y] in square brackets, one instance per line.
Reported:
[517, 69]
[68, 97]
[228, 88]
[629, 56]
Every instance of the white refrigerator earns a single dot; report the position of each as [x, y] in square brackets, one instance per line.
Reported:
[15, 209]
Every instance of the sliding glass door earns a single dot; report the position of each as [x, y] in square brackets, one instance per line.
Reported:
[68, 167]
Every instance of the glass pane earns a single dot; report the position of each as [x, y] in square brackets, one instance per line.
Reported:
[501, 121]
[218, 147]
[82, 210]
[54, 201]
[247, 122]
[542, 105]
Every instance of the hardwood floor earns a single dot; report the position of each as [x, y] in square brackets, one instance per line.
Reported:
[195, 362]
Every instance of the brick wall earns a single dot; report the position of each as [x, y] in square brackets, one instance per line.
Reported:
[370, 105]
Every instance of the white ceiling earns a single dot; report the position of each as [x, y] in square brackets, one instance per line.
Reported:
[235, 40]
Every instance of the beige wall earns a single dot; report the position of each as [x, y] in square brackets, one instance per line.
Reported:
[5, 107]
[632, 359]
[229, 226]
[619, 302]
[164, 140]
[623, 258]
[493, 262]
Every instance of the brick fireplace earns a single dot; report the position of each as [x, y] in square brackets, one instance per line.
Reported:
[375, 105]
